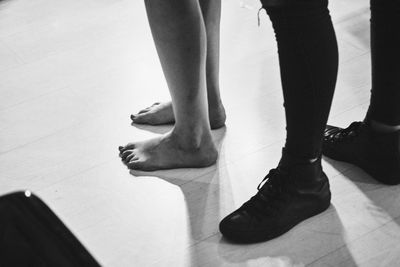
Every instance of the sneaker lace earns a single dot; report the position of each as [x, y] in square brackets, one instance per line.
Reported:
[272, 192]
[348, 134]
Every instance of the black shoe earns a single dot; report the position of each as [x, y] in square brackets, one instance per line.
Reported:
[376, 153]
[289, 195]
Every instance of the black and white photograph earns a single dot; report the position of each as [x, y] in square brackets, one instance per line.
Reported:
[200, 133]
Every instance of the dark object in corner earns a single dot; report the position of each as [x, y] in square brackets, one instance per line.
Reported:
[32, 235]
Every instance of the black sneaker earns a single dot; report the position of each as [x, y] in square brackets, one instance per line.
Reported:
[286, 196]
[376, 153]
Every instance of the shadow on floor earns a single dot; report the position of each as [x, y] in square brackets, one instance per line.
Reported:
[202, 193]
[309, 243]
[384, 199]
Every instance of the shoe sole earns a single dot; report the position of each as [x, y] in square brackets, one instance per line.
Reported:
[247, 237]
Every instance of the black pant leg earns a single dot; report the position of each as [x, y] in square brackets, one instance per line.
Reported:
[308, 58]
[385, 58]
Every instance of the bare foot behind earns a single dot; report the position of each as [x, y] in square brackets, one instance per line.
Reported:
[162, 113]
[168, 151]
[157, 114]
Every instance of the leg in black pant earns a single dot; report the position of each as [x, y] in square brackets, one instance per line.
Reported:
[308, 61]
[298, 188]
[385, 54]
[374, 145]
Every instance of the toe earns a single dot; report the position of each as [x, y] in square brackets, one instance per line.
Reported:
[137, 118]
[145, 110]
[141, 118]
[129, 146]
[125, 154]
[130, 157]
[136, 164]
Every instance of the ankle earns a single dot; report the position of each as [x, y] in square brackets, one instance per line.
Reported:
[193, 138]
[383, 128]
[289, 158]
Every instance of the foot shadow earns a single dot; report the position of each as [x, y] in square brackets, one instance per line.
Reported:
[314, 242]
[202, 193]
[200, 187]
[378, 214]
[209, 197]
[384, 199]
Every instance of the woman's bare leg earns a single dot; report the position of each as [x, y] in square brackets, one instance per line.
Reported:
[212, 16]
[162, 113]
[179, 34]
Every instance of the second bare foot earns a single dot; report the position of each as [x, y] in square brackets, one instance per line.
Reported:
[162, 113]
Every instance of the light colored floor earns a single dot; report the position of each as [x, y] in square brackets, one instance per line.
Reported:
[71, 73]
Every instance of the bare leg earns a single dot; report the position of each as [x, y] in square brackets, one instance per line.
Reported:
[162, 113]
[179, 34]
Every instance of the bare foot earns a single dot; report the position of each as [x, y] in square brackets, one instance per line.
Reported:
[168, 152]
[162, 113]
[158, 113]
